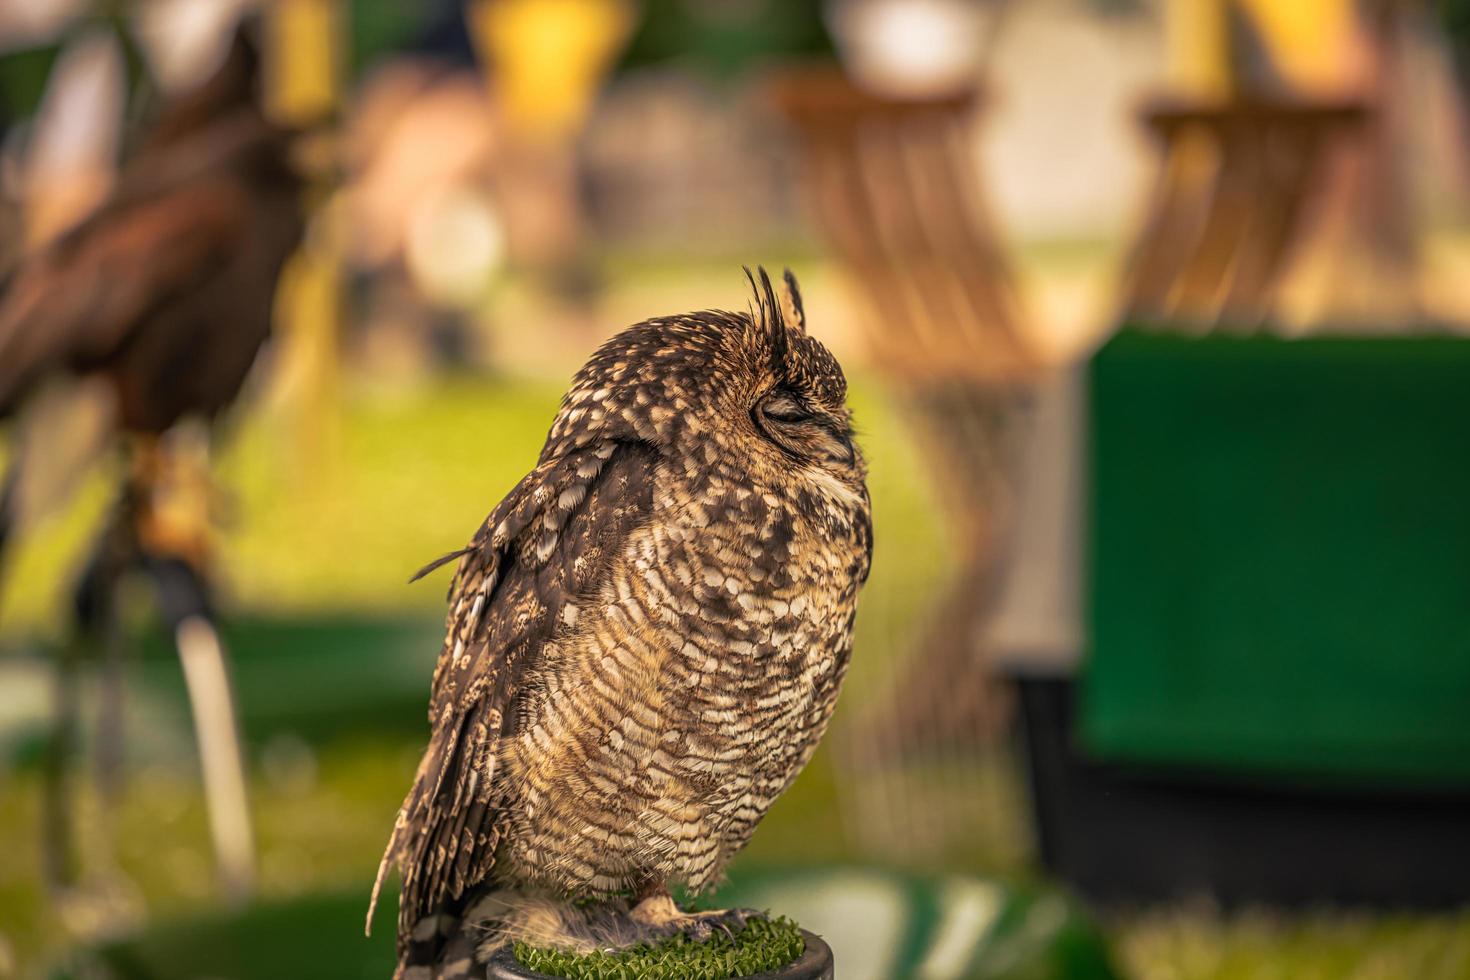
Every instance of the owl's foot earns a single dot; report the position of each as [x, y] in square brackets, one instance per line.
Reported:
[659, 918]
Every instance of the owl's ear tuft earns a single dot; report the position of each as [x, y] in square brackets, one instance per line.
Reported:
[769, 316]
[791, 309]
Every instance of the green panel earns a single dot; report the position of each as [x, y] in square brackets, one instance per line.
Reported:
[319, 936]
[1281, 555]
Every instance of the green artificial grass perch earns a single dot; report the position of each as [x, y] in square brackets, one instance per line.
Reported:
[762, 946]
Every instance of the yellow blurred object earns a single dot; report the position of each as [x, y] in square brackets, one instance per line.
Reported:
[1316, 47]
[1319, 46]
[175, 508]
[304, 59]
[303, 72]
[1198, 33]
[548, 57]
[308, 309]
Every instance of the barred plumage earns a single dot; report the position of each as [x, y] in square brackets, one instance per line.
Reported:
[647, 636]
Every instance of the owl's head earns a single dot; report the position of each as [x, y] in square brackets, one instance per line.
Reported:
[719, 390]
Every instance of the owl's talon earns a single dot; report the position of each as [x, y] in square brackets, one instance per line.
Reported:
[740, 918]
[661, 918]
[702, 925]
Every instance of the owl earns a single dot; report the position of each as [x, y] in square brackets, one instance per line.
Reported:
[645, 642]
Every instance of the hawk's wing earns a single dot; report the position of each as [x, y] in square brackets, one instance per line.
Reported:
[550, 540]
[76, 302]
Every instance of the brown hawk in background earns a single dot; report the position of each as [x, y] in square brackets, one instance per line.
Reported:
[645, 641]
[149, 312]
[164, 293]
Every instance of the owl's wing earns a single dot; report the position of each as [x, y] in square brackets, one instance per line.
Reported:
[549, 541]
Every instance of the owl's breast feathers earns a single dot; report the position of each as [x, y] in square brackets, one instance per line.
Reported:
[695, 685]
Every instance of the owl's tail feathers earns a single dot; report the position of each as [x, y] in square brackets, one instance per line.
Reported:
[430, 938]
[406, 826]
[437, 949]
[389, 860]
[406, 843]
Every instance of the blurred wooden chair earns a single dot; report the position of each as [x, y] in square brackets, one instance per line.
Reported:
[1244, 184]
[896, 190]
[1281, 199]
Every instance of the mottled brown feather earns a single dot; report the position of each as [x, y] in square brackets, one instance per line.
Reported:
[510, 588]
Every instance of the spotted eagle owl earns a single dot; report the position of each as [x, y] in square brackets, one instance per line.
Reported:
[645, 638]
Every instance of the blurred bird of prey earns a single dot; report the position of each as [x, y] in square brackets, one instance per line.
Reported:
[146, 315]
[155, 305]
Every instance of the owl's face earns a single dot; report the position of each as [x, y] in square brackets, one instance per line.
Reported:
[728, 392]
[796, 417]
